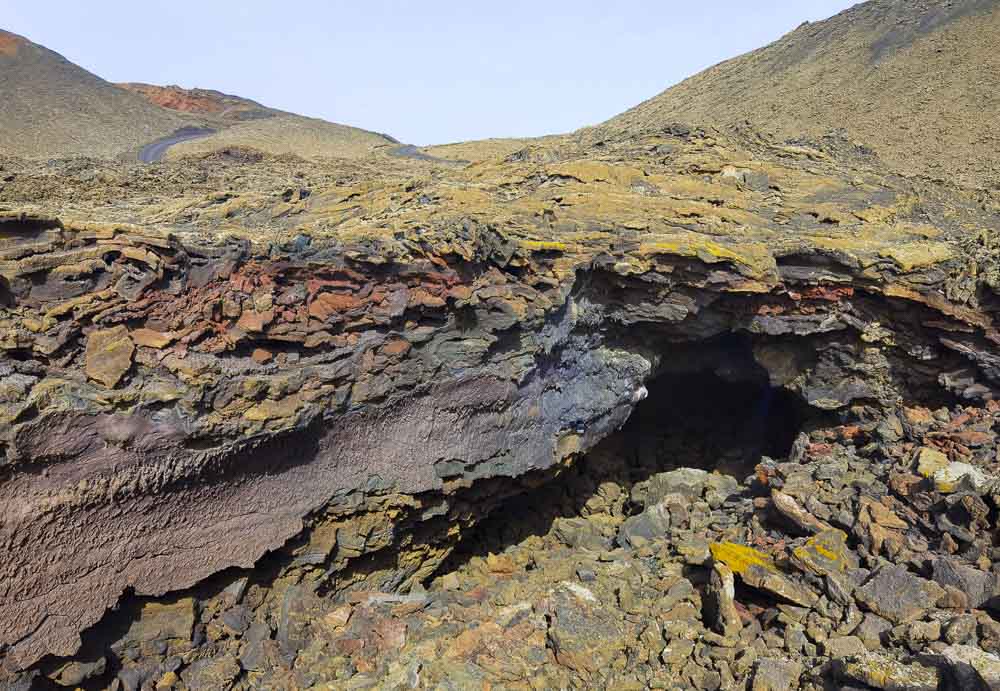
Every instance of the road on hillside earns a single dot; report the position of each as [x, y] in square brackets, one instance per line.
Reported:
[151, 153]
[411, 151]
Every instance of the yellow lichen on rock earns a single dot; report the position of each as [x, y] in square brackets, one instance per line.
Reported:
[824, 553]
[596, 171]
[739, 558]
[917, 255]
[929, 461]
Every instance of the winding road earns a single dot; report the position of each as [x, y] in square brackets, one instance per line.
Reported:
[151, 153]
[155, 151]
[411, 151]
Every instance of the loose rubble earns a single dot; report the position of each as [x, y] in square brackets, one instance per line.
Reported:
[580, 595]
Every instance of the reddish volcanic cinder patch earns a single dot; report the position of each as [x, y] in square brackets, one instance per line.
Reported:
[9, 43]
[175, 98]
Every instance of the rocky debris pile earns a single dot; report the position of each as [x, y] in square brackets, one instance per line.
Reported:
[853, 563]
[865, 559]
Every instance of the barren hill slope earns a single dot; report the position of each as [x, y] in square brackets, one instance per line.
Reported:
[917, 80]
[289, 134]
[208, 102]
[50, 107]
[241, 122]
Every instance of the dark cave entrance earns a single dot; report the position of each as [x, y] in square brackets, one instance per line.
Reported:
[701, 420]
[710, 407]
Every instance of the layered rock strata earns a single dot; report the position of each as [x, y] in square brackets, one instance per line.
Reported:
[339, 367]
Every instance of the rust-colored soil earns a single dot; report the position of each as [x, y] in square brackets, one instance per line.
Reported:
[9, 43]
[175, 98]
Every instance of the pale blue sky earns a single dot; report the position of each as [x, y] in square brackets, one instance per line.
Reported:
[425, 72]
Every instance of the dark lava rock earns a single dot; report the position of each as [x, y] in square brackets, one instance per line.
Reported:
[898, 595]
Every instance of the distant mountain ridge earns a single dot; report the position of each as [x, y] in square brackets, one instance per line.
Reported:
[52, 108]
[916, 80]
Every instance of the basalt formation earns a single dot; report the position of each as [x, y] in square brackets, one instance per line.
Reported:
[254, 408]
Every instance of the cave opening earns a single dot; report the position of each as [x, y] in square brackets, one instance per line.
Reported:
[711, 407]
[702, 420]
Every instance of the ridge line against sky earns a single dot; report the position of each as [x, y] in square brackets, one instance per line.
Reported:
[425, 73]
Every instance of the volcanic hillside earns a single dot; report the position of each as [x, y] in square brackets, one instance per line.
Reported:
[241, 122]
[51, 108]
[916, 80]
[206, 102]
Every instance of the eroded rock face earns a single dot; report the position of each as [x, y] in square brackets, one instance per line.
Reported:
[178, 402]
[525, 604]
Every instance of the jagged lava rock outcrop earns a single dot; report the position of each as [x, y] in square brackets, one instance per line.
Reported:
[183, 395]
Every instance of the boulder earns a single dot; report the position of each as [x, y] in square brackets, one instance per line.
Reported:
[930, 461]
[843, 646]
[971, 667]
[960, 476]
[585, 636]
[898, 595]
[758, 570]
[689, 482]
[825, 553]
[652, 523]
[872, 630]
[580, 533]
[211, 674]
[774, 674]
[720, 602]
[799, 517]
[161, 621]
[978, 586]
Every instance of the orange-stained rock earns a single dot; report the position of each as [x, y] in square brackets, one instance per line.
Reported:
[419, 296]
[261, 356]
[176, 98]
[325, 305]
[398, 346]
[153, 339]
[109, 355]
[254, 321]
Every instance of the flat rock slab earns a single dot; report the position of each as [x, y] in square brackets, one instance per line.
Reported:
[898, 595]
